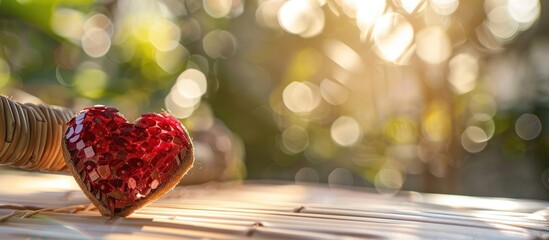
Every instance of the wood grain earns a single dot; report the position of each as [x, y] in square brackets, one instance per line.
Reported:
[263, 210]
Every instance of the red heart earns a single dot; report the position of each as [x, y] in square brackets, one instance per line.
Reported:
[121, 166]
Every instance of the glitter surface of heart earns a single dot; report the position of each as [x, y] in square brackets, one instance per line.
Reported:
[122, 166]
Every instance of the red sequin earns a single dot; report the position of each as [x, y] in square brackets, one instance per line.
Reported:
[122, 162]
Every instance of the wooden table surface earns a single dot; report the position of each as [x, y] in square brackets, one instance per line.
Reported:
[52, 206]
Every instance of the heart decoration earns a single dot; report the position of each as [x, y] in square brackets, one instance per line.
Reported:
[123, 166]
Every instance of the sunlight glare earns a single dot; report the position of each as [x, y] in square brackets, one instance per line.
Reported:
[217, 8]
[266, 14]
[302, 17]
[444, 7]
[346, 131]
[410, 6]
[333, 92]
[524, 12]
[164, 35]
[393, 35]
[96, 42]
[474, 139]
[433, 45]
[501, 24]
[301, 97]
[388, 181]
[343, 55]
[463, 73]
[68, 23]
[367, 13]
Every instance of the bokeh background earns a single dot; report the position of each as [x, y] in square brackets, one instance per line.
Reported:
[439, 96]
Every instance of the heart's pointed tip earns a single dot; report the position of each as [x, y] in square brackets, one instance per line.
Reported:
[120, 214]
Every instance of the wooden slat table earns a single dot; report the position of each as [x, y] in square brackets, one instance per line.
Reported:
[52, 206]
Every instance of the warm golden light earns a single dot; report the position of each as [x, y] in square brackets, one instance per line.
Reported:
[186, 93]
[463, 73]
[68, 23]
[501, 25]
[18, 182]
[472, 202]
[484, 121]
[411, 6]
[393, 35]
[4, 72]
[388, 181]
[219, 44]
[301, 17]
[217, 8]
[164, 35]
[333, 92]
[346, 131]
[437, 124]
[400, 129]
[266, 14]
[343, 55]
[90, 81]
[444, 7]
[171, 61]
[433, 45]
[367, 13]
[295, 139]
[192, 77]
[474, 139]
[301, 97]
[383, 90]
[524, 12]
[96, 42]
